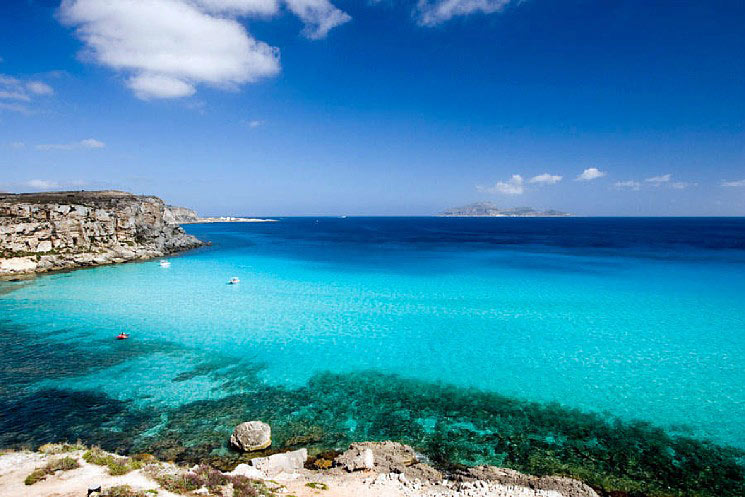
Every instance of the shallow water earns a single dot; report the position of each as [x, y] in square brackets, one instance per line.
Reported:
[634, 319]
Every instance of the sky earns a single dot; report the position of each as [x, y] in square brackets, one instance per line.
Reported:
[379, 107]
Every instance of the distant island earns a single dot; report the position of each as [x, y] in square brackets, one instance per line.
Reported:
[488, 209]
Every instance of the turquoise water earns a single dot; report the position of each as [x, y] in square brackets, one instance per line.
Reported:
[632, 319]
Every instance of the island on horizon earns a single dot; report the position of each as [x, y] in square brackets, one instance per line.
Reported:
[488, 209]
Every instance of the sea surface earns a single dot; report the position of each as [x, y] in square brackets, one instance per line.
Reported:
[626, 320]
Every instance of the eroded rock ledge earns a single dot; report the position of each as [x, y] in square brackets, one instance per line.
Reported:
[390, 469]
[50, 231]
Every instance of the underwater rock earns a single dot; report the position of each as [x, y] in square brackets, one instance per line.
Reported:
[567, 487]
[252, 435]
[356, 458]
[287, 462]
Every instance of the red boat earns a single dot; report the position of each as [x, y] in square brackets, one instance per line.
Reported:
[122, 336]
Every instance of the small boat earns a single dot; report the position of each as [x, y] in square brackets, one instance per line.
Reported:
[165, 263]
[234, 281]
[122, 336]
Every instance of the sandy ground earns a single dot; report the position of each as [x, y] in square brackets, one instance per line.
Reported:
[15, 466]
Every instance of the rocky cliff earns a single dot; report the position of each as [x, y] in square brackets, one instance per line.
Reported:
[183, 215]
[62, 230]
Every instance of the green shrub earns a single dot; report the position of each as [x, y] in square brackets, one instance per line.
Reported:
[61, 464]
[123, 491]
[117, 465]
[61, 448]
[35, 476]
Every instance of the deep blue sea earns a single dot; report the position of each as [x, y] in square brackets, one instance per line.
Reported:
[627, 319]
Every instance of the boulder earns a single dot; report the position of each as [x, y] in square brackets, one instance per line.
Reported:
[356, 458]
[387, 457]
[287, 462]
[252, 435]
[567, 487]
[248, 472]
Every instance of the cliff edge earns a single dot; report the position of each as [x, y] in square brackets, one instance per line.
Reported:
[49, 231]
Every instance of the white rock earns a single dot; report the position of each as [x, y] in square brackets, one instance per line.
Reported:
[287, 462]
[248, 472]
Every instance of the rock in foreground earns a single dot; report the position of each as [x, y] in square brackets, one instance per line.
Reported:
[63, 230]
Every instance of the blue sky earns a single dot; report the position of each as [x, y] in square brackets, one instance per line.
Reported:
[312, 107]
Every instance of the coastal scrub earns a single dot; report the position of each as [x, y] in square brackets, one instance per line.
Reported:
[61, 464]
[117, 465]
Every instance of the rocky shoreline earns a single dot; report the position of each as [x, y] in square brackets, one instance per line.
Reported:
[370, 469]
[52, 231]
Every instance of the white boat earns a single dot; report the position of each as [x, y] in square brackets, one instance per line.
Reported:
[165, 263]
[234, 281]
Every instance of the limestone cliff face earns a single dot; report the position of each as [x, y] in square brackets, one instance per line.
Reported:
[183, 215]
[62, 230]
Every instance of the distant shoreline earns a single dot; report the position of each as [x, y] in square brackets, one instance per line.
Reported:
[227, 219]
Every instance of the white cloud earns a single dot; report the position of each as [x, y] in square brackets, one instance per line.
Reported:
[22, 109]
[88, 143]
[658, 180]
[39, 88]
[319, 16]
[17, 145]
[255, 123]
[42, 184]
[148, 86]
[239, 7]
[92, 143]
[590, 173]
[545, 179]
[434, 12]
[682, 185]
[168, 47]
[14, 95]
[15, 90]
[735, 184]
[514, 186]
[627, 185]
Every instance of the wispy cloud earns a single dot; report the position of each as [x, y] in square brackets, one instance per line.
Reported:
[15, 93]
[658, 180]
[513, 186]
[21, 109]
[434, 12]
[39, 88]
[682, 185]
[627, 185]
[168, 47]
[88, 143]
[733, 184]
[545, 179]
[255, 123]
[319, 16]
[17, 145]
[42, 184]
[590, 174]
